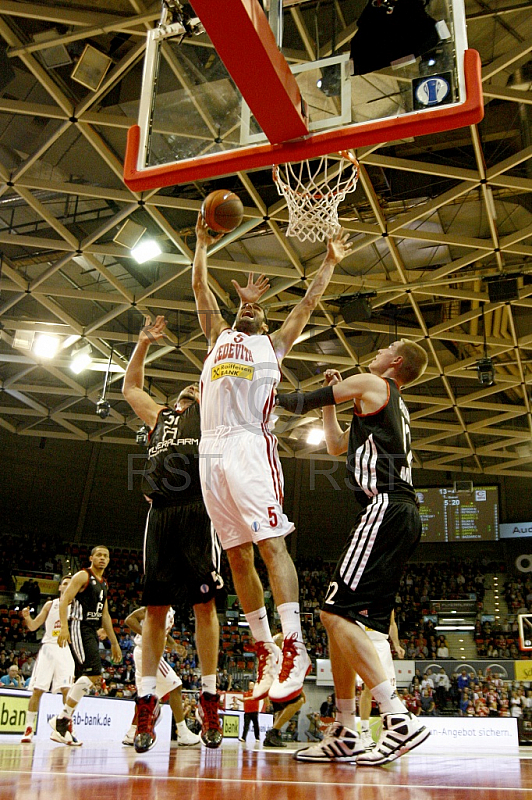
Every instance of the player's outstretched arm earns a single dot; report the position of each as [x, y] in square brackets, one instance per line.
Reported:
[283, 339]
[211, 321]
[254, 289]
[33, 623]
[140, 401]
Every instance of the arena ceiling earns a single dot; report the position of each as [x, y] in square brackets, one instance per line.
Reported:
[434, 220]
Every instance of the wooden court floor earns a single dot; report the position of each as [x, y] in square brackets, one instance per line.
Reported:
[109, 771]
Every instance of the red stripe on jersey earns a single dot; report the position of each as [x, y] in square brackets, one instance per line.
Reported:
[274, 463]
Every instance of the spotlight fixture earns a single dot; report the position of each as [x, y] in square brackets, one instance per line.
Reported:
[81, 358]
[315, 436]
[23, 340]
[46, 345]
[486, 371]
[146, 250]
[103, 408]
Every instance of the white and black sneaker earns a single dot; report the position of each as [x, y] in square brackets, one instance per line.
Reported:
[400, 733]
[338, 744]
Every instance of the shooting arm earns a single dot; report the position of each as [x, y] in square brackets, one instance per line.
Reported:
[140, 401]
[211, 321]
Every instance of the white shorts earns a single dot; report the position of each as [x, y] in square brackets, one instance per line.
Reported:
[53, 670]
[242, 483]
[382, 646]
[167, 680]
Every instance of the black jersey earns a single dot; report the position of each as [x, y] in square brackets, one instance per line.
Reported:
[87, 606]
[172, 471]
[379, 454]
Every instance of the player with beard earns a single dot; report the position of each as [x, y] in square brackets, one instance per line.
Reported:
[240, 469]
[181, 551]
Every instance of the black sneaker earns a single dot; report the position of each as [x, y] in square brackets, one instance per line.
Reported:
[273, 739]
[147, 712]
[207, 714]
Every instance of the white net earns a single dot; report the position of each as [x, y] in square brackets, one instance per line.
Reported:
[313, 192]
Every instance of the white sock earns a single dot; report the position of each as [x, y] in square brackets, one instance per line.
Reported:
[30, 719]
[346, 712]
[147, 685]
[208, 684]
[387, 698]
[181, 727]
[259, 625]
[67, 712]
[290, 620]
[132, 731]
[364, 725]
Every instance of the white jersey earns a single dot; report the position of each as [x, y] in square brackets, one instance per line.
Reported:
[167, 628]
[238, 382]
[52, 626]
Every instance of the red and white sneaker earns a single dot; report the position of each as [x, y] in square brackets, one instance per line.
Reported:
[268, 664]
[338, 744]
[295, 666]
[28, 735]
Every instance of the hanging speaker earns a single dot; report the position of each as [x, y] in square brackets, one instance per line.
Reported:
[358, 310]
[503, 290]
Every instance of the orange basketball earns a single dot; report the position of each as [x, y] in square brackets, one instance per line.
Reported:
[222, 210]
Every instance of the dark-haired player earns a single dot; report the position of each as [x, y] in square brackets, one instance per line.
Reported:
[54, 668]
[181, 549]
[87, 595]
[241, 471]
[386, 531]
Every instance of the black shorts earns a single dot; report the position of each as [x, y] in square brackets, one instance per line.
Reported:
[181, 556]
[368, 574]
[85, 647]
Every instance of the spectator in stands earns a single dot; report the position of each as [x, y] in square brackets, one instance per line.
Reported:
[442, 650]
[12, 679]
[428, 709]
[463, 681]
[328, 708]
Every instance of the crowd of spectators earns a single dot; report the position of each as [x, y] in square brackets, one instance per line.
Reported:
[467, 694]
[421, 584]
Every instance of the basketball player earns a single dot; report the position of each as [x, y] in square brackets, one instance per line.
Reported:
[241, 472]
[87, 592]
[167, 680]
[385, 533]
[182, 553]
[382, 646]
[54, 668]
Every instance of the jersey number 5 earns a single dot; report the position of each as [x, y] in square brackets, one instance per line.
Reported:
[272, 516]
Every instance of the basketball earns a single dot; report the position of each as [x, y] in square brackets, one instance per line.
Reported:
[222, 211]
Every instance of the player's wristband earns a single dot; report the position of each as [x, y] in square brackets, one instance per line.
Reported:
[303, 402]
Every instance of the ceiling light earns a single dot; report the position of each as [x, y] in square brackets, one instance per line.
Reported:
[46, 346]
[315, 436]
[81, 358]
[129, 234]
[146, 250]
[91, 68]
[23, 340]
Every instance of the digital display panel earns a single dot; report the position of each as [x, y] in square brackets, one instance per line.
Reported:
[450, 516]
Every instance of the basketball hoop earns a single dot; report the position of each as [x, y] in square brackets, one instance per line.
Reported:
[313, 193]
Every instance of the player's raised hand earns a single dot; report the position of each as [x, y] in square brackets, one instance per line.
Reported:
[253, 291]
[338, 247]
[331, 376]
[25, 613]
[202, 233]
[153, 331]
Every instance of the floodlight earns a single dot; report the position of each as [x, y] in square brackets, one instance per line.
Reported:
[315, 436]
[46, 345]
[81, 358]
[146, 250]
